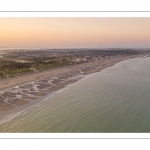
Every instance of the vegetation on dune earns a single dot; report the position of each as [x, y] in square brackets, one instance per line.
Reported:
[12, 68]
[21, 62]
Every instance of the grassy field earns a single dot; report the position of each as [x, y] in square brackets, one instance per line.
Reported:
[10, 68]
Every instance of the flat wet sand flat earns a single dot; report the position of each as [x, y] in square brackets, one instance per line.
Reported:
[5, 106]
[38, 93]
[31, 98]
[19, 102]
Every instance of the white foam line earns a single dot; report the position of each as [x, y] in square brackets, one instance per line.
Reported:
[11, 116]
[7, 119]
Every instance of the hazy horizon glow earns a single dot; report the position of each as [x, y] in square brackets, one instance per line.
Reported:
[74, 32]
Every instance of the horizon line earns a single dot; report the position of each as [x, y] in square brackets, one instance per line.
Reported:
[3, 48]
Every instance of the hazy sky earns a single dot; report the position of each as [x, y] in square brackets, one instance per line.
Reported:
[74, 32]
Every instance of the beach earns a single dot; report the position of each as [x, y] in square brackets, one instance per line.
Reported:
[25, 90]
[115, 99]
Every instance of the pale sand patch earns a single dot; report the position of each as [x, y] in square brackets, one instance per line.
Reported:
[19, 102]
[4, 106]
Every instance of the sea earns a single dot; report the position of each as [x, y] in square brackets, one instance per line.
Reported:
[115, 100]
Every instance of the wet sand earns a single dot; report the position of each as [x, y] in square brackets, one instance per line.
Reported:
[47, 81]
[38, 93]
[19, 102]
[5, 106]
[31, 98]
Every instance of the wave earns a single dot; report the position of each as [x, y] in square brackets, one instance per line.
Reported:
[9, 117]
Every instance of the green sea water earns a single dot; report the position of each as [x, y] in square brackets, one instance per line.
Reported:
[117, 99]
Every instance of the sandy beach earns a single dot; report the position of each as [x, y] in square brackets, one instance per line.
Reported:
[18, 91]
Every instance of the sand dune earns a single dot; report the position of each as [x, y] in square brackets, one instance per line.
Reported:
[47, 81]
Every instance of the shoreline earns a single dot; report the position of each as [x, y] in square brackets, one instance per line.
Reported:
[30, 88]
[101, 64]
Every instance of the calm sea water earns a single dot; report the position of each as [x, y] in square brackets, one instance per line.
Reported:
[117, 99]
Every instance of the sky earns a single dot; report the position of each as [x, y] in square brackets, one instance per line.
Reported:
[74, 32]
